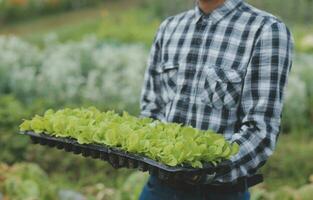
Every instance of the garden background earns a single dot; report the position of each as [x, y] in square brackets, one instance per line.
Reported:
[57, 53]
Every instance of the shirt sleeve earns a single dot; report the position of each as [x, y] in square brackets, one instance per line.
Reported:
[262, 99]
[151, 102]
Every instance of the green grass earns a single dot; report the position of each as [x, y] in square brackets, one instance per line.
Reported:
[72, 25]
[291, 163]
[133, 25]
[107, 22]
[53, 22]
[299, 31]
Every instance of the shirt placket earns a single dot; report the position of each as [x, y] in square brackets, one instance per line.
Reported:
[197, 46]
[204, 24]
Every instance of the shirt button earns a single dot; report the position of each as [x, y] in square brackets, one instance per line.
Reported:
[201, 24]
[203, 98]
[186, 98]
[204, 20]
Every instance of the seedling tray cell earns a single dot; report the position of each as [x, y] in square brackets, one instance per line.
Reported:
[118, 158]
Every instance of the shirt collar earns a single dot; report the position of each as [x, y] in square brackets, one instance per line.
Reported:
[198, 13]
[218, 13]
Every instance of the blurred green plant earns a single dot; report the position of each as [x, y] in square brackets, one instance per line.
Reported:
[282, 193]
[13, 10]
[25, 181]
[11, 147]
[291, 164]
[11, 111]
[298, 107]
[165, 8]
[133, 25]
[133, 185]
[299, 11]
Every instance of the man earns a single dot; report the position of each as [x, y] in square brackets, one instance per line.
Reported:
[222, 66]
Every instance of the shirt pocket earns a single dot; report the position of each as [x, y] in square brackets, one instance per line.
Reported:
[168, 74]
[222, 87]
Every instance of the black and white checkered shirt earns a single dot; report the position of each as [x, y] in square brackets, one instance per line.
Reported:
[225, 71]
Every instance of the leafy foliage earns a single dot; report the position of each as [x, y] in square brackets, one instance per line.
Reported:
[25, 181]
[11, 147]
[164, 142]
[298, 107]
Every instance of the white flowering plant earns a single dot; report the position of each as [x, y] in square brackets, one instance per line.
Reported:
[72, 72]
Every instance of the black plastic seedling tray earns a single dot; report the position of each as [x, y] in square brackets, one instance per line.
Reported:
[119, 158]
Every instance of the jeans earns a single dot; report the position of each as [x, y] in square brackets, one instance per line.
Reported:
[153, 190]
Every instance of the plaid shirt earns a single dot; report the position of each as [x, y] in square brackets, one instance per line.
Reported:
[225, 71]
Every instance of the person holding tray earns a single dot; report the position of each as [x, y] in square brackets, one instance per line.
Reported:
[223, 66]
